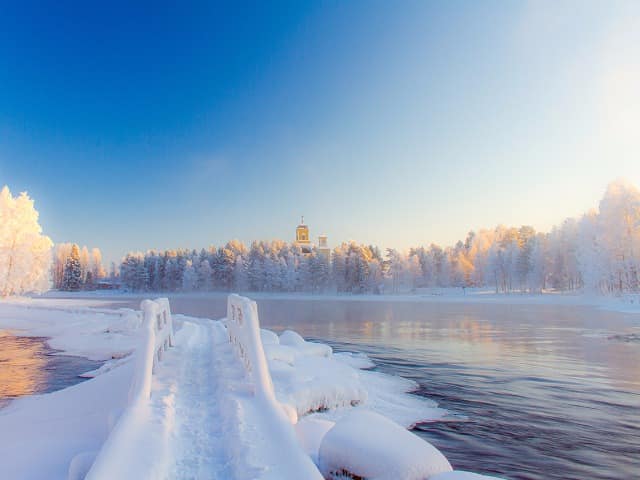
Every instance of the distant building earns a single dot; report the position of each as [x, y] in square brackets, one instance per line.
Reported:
[303, 240]
[302, 237]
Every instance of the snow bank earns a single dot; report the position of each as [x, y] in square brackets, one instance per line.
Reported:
[40, 435]
[94, 334]
[367, 445]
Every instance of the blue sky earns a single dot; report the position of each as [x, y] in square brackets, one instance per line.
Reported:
[394, 123]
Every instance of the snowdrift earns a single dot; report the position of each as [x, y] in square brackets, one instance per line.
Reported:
[367, 445]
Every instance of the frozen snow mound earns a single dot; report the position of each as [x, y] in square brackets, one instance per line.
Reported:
[268, 337]
[294, 340]
[364, 444]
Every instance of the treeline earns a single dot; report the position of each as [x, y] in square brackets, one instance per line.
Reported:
[598, 252]
[74, 268]
[266, 266]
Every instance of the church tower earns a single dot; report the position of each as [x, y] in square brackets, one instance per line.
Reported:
[302, 237]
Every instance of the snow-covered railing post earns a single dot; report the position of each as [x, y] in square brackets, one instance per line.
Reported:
[156, 337]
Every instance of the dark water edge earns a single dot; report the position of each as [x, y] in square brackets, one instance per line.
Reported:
[28, 366]
[593, 434]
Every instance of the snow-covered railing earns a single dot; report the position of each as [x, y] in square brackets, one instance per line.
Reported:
[157, 326]
[156, 337]
[244, 334]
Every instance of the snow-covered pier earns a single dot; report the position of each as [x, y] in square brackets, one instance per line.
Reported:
[228, 400]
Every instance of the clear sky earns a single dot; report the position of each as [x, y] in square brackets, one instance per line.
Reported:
[394, 123]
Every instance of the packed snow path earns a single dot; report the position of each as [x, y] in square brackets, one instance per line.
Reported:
[186, 381]
[203, 404]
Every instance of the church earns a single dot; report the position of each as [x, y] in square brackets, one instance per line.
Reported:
[303, 240]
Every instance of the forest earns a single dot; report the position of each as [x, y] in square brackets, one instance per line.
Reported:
[599, 252]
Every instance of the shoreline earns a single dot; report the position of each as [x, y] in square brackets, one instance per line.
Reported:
[629, 304]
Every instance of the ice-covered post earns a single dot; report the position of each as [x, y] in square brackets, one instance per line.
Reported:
[156, 337]
[168, 319]
[244, 334]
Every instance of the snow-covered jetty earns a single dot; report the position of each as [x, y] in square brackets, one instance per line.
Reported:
[229, 400]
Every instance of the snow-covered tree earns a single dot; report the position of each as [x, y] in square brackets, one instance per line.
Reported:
[25, 253]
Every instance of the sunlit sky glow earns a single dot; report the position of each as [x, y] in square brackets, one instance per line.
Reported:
[396, 124]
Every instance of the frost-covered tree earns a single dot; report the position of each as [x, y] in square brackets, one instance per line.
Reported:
[72, 280]
[91, 266]
[25, 253]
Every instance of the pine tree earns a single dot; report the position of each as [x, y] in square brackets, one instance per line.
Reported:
[72, 280]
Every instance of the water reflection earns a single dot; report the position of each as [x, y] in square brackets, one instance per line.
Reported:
[22, 362]
[28, 366]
